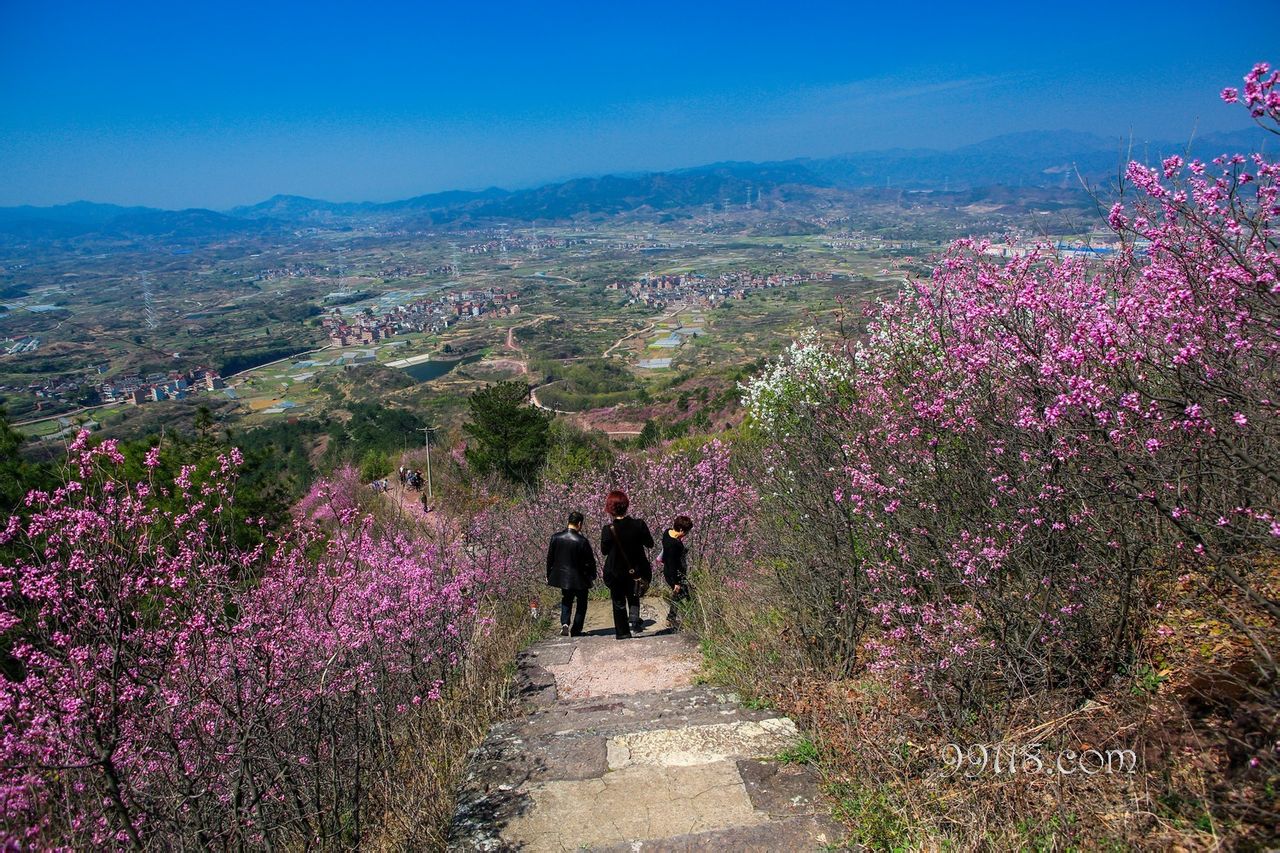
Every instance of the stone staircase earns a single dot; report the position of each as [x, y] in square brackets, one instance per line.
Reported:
[619, 750]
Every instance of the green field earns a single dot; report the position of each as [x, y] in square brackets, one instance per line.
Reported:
[221, 304]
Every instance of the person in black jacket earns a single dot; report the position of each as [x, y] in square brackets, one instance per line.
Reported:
[675, 564]
[571, 568]
[627, 572]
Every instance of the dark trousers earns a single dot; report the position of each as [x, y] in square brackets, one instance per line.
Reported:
[567, 598]
[673, 615]
[626, 611]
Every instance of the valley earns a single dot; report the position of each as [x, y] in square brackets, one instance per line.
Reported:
[616, 318]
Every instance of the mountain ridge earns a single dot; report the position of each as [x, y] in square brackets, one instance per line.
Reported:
[1027, 159]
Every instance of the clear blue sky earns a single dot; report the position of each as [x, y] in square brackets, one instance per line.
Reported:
[186, 103]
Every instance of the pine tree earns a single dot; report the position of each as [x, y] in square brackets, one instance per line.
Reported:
[507, 435]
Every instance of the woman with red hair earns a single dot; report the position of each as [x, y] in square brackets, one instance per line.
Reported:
[627, 572]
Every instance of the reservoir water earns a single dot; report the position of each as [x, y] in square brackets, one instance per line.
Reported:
[425, 371]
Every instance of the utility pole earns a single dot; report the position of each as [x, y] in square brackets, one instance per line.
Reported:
[426, 435]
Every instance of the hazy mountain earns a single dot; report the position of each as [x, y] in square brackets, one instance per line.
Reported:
[187, 224]
[75, 213]
[134, 223]
[1022, 159]
[296, 208]
[658, 191]
[1030, 160]
[61, 220]
[439, 201]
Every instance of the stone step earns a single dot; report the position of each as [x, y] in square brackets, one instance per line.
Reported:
[586, 667]
[515, 755]
[618, 749]
[614, 715]
[792, 835]
[706, 806]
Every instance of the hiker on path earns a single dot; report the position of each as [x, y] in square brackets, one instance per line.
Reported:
[675, 565]
[571, 568]
[627, 572]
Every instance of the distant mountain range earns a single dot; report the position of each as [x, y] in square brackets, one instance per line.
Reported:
[1038, 159]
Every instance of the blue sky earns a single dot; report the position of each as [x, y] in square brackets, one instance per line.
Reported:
[215, 104]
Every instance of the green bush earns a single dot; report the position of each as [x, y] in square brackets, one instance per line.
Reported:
[374, 465]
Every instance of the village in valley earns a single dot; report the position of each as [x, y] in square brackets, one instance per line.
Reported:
[261, 328]
[366, 326]
[659, 291]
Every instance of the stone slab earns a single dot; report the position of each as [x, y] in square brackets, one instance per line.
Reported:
[480, 820]
[637, 803]
[781, 789]
[691, 706]
[514, 761]
[793, 835]
[555, 652]
[609, 667]
[617, 749]
[535, 687]
[692, 745]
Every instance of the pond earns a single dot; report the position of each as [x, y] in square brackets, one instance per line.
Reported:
[425, 371]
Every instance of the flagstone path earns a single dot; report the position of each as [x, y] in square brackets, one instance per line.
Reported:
[619, 750]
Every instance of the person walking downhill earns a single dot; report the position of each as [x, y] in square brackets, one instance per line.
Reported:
[675, 565]
[627, 572]
[571, 568]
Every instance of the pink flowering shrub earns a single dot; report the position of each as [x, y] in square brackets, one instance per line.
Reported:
[173, 690]
[1022, 454]
[336, 496]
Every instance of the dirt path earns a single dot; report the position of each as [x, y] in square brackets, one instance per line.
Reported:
[513, 347]
[618, 750]
[649, 328]
[533, 398]
[622, 340]
[546, 275]
[523, 366]
[408, 504]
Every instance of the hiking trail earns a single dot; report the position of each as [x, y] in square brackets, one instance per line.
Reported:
[618, 749]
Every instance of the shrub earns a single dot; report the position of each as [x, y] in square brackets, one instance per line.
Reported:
[1024, 453]
[176, 690]
[1027, 484]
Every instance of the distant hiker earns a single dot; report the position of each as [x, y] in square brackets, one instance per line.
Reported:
[402, 476]
[627, 572]
[571, 568]
[675, 565]
[426, 506]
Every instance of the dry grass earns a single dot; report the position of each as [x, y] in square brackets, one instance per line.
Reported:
[417, 799]
[1199, 712]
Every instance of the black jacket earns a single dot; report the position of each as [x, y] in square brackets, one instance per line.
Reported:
[571, 564]
[633, 537]
[675, 562]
